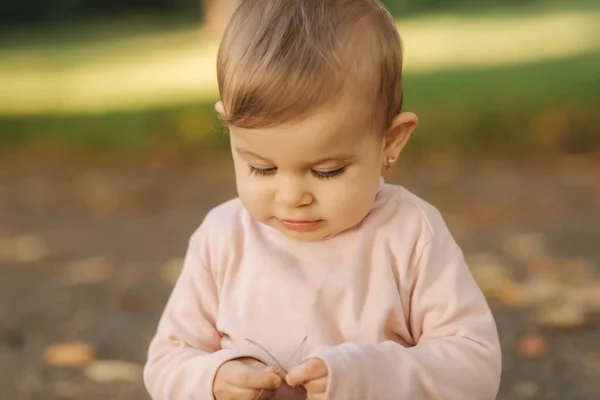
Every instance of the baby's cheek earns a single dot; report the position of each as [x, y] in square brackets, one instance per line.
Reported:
[255, 199]
[351, 207]
[339, 210]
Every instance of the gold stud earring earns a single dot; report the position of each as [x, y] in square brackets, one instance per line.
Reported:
[389, 162]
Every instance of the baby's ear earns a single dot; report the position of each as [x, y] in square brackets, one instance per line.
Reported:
[219, 108]
[399, 132]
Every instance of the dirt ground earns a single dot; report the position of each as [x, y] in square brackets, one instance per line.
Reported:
[89, 251]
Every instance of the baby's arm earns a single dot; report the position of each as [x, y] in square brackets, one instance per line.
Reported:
[457, 355]
[185, 353]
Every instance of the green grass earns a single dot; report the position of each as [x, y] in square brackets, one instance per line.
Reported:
[495, 110]
[104, 70]
[549, 106]
[513, 107]
[506, 8]
[186, 125]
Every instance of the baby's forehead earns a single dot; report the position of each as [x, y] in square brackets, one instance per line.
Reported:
[328, 133]
[341, 116]
[343, 113]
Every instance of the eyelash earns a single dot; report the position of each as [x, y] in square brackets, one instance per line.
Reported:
[317, 174]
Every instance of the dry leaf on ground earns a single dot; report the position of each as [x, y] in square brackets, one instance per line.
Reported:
[536, 292]
[587, 294]
[532, 346]
[85, 271]
[494, 278]
[526, 246]
[575, 270]
[566, 316]
[113, 370]
[69, 354]
[527, 389]
[23, 249]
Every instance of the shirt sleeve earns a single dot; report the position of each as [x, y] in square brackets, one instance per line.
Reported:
[185, 353]
[457, 351]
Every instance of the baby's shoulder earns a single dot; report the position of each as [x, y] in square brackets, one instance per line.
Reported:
[226, 214]
[222, 220]
[411, 212]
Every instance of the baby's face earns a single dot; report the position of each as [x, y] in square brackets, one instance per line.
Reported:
[310, 179]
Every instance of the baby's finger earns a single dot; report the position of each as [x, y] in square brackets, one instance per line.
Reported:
[236, 393]
[247, 377]
[316, 396]
[308, 370]
[316, 386]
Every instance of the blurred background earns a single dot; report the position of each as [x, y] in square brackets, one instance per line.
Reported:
[111, 154]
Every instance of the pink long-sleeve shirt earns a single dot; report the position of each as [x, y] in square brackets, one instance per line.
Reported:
[390, 306]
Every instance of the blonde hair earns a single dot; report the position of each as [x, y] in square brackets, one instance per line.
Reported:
[279, 60]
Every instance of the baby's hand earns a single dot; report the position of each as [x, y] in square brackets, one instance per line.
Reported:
[245, 379]
[313, 375]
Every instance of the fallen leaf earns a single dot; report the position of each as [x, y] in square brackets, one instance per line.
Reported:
[543, 267]
[566, 316]
[69, 354]
[508, 294]
[130, 300]
[494, 278]
[532, 346]
[587, 294]
[575, 270]
[23, 249]
[85, 271]
[113, 370]
[538, 291]
[527, 389]
[526, 246]
[172, 270]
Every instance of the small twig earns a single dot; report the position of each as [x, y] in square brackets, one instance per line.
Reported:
[259, 394]
[269, 353]
[298, 348]
[281, 368]
[263, 390]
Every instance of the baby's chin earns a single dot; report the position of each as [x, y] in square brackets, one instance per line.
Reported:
[324, 233]
[317, 235]
[313, 236]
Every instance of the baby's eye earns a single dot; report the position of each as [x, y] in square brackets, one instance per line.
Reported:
[261, 171]
[329, 174]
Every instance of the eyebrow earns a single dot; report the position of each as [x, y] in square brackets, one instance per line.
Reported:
[246, 152]
[338, 157]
